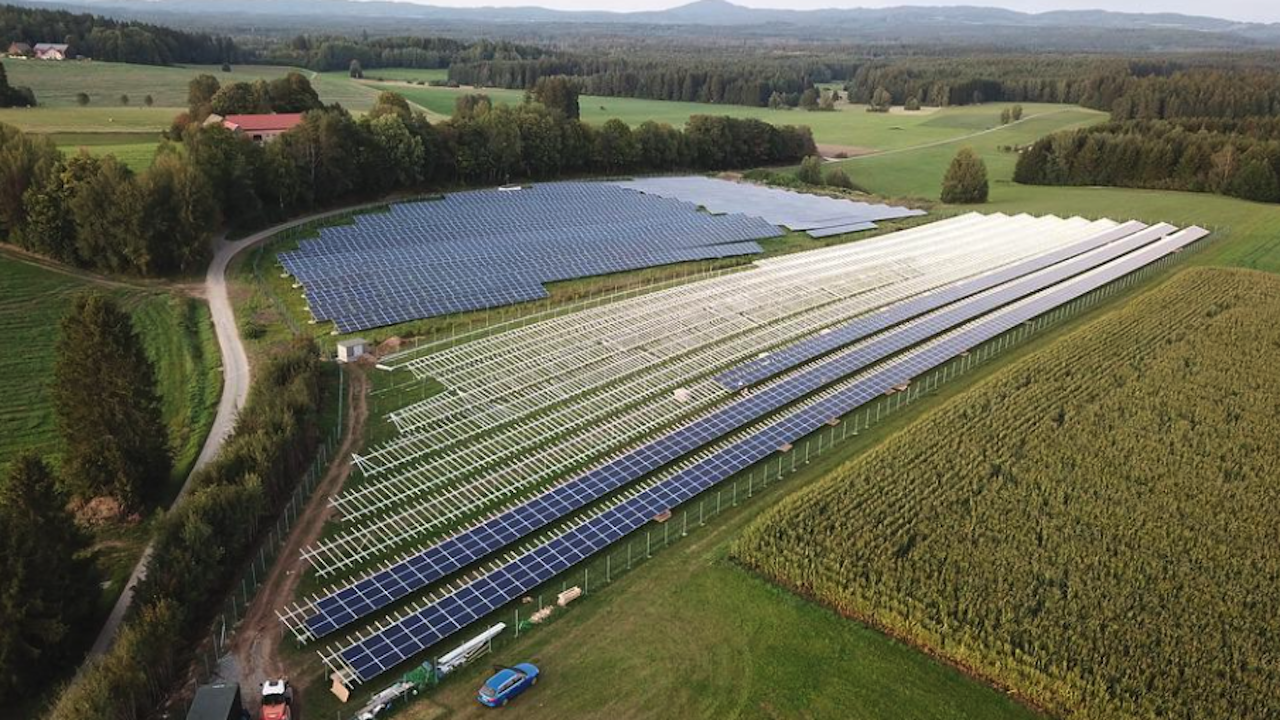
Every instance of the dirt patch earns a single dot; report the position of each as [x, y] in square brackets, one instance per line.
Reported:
[843, 151]
[256, 646]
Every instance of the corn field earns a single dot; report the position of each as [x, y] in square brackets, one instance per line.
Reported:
[1096, 528]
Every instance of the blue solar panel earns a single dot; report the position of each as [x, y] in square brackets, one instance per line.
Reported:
[402, 640]
[454, 553]
[483, 249]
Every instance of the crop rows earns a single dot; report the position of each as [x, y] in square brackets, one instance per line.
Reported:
[1094, 527]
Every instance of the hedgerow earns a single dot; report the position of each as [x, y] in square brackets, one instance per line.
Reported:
[1094, 527]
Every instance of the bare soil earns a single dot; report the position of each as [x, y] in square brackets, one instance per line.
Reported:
[256, 645]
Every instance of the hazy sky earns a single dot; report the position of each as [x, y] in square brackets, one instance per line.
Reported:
[1254, 10]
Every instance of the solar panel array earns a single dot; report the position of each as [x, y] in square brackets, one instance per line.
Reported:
[820, 216]
[452, 554]
[604, 379]
[486, 248]
[509, 438]
[945, 334]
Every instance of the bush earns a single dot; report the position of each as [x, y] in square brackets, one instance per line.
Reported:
[810, 172]
[82, 99]
[837, 177]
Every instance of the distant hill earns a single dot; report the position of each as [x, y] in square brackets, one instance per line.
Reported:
[964, 25]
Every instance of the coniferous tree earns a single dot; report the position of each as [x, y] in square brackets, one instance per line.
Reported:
[107, 408]
[47, 587]
[966, 179]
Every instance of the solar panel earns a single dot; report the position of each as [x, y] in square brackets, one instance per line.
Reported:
[795, 210]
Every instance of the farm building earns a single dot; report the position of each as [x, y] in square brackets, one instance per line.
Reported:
[262, 128]
[19, 49]
[51, 51]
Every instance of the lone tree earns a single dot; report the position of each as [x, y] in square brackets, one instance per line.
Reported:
[148, 101]
[810, 172]
[966, 179]
[124, 99]
[355, 70]
[809, 99]
[47, 587]
[106, 404]
[82, 99]
[881, 101]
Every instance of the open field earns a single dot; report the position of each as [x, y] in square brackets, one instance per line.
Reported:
[178, 337]
[1038, 528]
[57, 83]
[413, 75]
[849, 125]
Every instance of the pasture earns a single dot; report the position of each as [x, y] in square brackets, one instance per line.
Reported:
[1038, 528]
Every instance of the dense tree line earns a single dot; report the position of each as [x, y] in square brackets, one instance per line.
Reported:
[96, 213]
[1093, 527]
[720, 80]
[1240, 158]
[1221, 93]
[945, 81]
[202, 542]
[324, 53]
[103, 38]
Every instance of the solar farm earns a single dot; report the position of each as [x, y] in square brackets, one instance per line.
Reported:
[488, 248]
[553, 441]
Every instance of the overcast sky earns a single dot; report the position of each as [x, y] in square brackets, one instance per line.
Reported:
[1254, 10]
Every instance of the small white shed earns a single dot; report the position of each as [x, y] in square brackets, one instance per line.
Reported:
[351, 350]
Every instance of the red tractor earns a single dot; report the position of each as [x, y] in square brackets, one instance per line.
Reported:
[277, 700]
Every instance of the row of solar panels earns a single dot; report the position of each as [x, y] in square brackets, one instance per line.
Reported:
[818, 215]
[483, 249]
[953, 330]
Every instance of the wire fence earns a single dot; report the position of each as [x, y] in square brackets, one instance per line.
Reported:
[642, 545]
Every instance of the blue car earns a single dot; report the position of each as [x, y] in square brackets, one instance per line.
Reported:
[506, 684]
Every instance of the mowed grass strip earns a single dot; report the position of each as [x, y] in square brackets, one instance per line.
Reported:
[1093, 526]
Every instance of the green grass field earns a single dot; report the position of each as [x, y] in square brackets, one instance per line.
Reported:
[850, 125]
[413, 75]
[177, 333]
[56, 84]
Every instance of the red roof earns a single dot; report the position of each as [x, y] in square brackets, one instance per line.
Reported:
[278, 122]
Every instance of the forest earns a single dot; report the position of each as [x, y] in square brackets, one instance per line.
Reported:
[1235, 157]
[109, 40]
[96, 213]
[1092, 528]
[719, 78]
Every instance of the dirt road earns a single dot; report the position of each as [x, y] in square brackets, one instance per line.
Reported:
[256, 644]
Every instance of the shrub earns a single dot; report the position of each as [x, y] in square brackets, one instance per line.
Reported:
[810, 171]
[837, 177]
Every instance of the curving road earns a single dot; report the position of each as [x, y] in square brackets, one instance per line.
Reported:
[235, 390]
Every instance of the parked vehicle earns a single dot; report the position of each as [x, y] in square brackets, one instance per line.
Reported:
[277, 700]
[507, 683]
